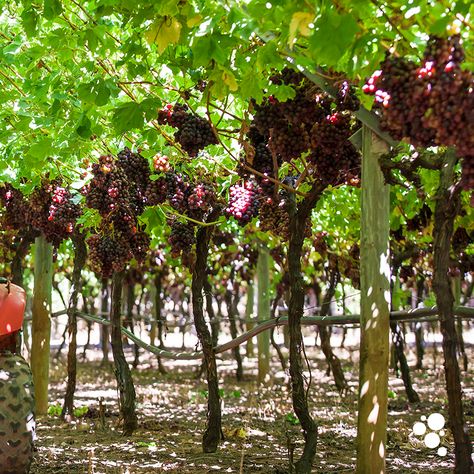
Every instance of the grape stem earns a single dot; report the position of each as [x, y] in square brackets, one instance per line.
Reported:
[200, 223]
[13, 83]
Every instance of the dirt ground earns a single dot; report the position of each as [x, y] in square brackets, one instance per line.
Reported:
[258, 421]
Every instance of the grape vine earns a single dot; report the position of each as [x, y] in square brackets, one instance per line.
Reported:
[194, 132]
[430, 103]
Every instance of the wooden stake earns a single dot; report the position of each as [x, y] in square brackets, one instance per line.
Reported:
[41, 325]
[374, 311]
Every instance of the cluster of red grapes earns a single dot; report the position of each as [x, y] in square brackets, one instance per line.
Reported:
[259, 157]
[431, 103]
[8, 239]
[193, 200]
[330, 144]
[420, 220]
[181, 237]
[311, 122]
[156, 191]
[244, 201]
[349, 265]
[118, 190]
[201, 198]
[161, 163]
[320, 244]
[50, 209]
[194, 132]
[462, 239]
[274, 217]
[15, 207]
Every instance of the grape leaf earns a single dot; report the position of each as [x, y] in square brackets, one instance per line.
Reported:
[52, 9]
[299, 23]
[164, 32]
[29, 20]
[128, 116]
[229, 79]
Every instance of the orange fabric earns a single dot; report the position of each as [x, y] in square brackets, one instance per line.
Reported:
[12, 308]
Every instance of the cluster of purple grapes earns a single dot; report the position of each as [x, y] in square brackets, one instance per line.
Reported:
[118, 190]
[259, 157]
[110, 251]
[50, 209]
[330, 144]
[431, 103]
[311, 122]
[15, 207]
[274, 217]
[194, 200]
[194, 132]
[181, 237]
[244, 201]
[296, 126]
[349, 265]
[201, 198]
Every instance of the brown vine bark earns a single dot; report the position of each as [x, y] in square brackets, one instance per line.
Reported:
[212, 434]
[298, 219]
[122, 370]
[21, 250]
[332, 359]
[159, 318]
[129, 304]
[400, 357]
[211, 313]
[419, 338]
[104, 307]
[80, 256]
[230, 294]
[446, 208]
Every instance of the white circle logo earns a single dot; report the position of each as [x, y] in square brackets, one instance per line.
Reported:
[436, 421]
[431, 439]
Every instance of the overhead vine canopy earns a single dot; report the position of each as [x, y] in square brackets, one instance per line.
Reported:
[83, 77]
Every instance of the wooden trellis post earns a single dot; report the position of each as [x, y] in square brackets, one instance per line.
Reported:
[263, 310]
[375, 309]
[41, 325]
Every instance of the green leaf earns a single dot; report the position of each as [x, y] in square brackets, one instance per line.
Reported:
[150, 107]
[268, 57]
[52, 9]
[440, 25]
[41, 149]
[86, 93]
[91, 39]
[229, 79]
[103, 94]
[200, 51]
[207, 48]
[250, 87]
[333, 36]
[128, 116]
[167, 7]
[84, 127]
[29, 19]
[164, 32]
[282, 92]
[299, 23]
